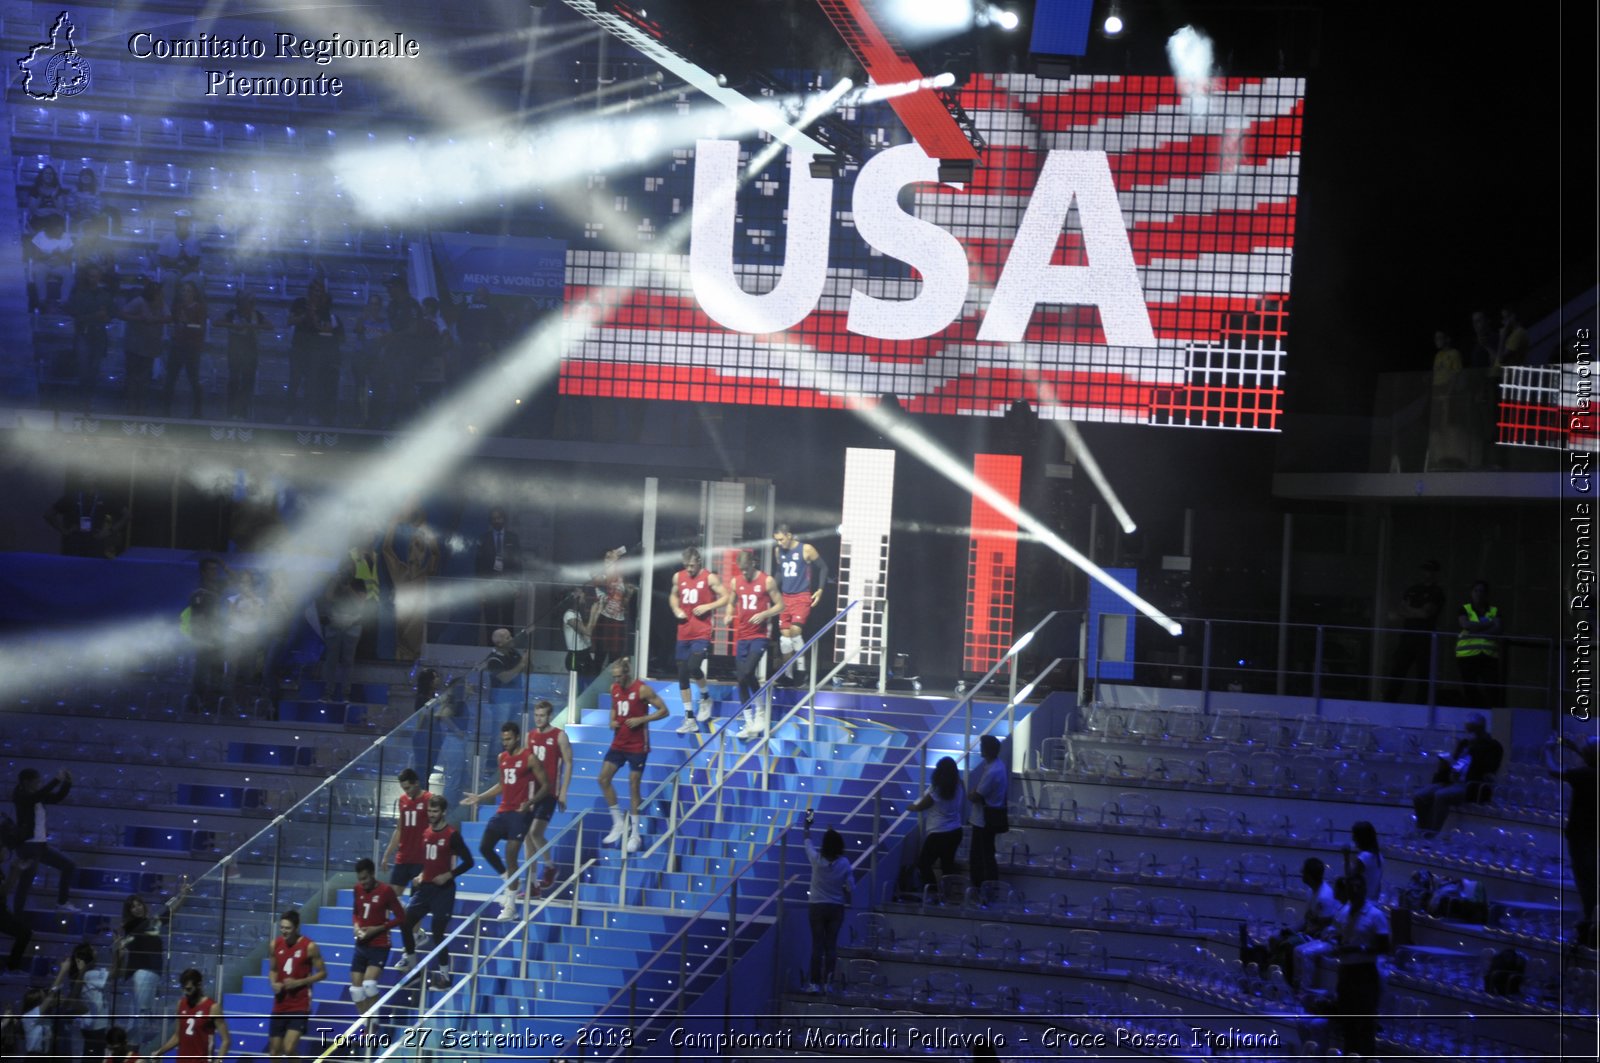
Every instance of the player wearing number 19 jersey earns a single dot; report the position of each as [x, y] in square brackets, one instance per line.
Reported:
[755, 602]
[697, 594]
[200, 1022]
[634, 706]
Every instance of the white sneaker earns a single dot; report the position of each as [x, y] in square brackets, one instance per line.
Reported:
[618, 828]
[688, 726]
[408, 961]
[423, 938]
[704, 712]
[633, 842]
[508, 909]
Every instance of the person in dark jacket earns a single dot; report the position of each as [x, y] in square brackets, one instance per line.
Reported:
[1466, 775]
[30, 798]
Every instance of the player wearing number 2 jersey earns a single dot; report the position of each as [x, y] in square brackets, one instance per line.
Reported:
[634, 706]
[755, 602]
[697, 594]
[199, 1024]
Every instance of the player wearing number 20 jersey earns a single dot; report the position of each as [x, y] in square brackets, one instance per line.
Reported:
[697, 594]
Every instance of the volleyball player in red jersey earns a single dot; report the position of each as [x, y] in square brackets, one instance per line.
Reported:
[518, 787]
[296, 967]
[411, 819]
[375, 911]
[697, 593]
[435, 895]
[755, 602]
[200, 1023]
[634, 706]
[548, 748]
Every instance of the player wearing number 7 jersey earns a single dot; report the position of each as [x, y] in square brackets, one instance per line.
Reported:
[697, 594]
[199, 1023]
[374, 911]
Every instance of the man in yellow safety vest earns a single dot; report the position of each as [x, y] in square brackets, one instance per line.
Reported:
[1478, 647]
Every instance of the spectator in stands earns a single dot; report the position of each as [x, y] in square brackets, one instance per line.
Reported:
[1478, 647]
[434, 347]
[90, 518]
[610, 625]
[145, 314]
[364, 566]
[1363, 934]
[244, 325]
[498, 559]
[1418, 615]
[91, 307]
[506, 664]
[1582, 829]
[1290, 950]
[410, 579]
[81, 999]
[941, 831]
[49, 254]
[205, 621]
[1447, 436]
[30, 799]
[1362, 857]
[120, 1048]
[577, 613]
[45, 196]
[1467, 774]
[314, 339]
[14, 925]
[402, 353]
[85, 205]
[987, 787]
[188, 344]
[832, 882]
[34, 1027]
[343, 605]
[248, 628]
[481, 330]
[1511, 348]
[140, 959]
[366, 370]
[178, 254]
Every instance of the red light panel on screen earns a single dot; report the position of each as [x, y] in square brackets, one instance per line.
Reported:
[992, 564]
[1123, 253]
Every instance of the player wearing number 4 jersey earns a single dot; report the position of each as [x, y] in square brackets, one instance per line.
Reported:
[199, 1024]
[512, 818]
[296, 967]
[374, 912]
[801, 576]
[634, 706]
[697, 594]
[755, 602]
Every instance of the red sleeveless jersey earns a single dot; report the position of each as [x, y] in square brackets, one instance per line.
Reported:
[749, 598]
[195, 1029]
[413, 813]
[693, 591]
[627, 703]
[514, 772]
[544, 747]
[292, 961]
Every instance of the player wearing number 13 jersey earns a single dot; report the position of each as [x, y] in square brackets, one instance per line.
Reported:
[634, 706]
[697, 594]
[511, 819]
[199, 1023]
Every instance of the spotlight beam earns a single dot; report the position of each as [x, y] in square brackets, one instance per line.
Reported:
[1080, 450]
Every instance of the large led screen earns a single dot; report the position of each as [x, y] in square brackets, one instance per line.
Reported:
[1122, 253]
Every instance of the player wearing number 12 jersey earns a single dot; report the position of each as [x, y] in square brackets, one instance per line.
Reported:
[697, 594]
[199, 1023]
[755, 602]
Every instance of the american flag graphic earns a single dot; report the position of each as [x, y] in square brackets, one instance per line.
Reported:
[1206, 178]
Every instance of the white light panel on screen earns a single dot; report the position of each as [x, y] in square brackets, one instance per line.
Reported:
[866, 519]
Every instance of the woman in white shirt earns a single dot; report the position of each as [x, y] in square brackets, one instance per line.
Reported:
[942, 826]
[831, 882]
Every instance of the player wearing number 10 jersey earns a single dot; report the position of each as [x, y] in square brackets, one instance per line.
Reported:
[199, 1023]
[755, 602]
[697, 594]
